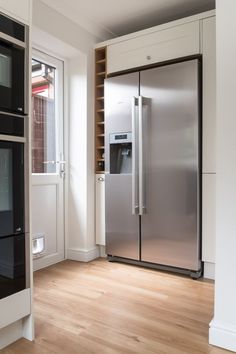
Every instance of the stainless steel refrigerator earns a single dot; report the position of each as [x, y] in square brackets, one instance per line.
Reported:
[153, 167]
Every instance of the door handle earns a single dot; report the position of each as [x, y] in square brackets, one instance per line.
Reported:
[58, 162]
[18, 230]
[49, 162]
[142, 133]
[135, 202]
[140, 138]
[54, 162]
[62, 167]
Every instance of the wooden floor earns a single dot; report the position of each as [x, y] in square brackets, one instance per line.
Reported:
[103, 307]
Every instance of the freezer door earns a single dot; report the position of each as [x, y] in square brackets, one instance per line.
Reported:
[170, 224]
[122, 228]
[122, 221]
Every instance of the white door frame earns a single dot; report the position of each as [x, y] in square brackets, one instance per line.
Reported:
[48, 179]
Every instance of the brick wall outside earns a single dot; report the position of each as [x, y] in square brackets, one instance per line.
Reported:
[43, 118]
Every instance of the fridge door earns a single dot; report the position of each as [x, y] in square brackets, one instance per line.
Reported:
[170, 223]
[121, 214]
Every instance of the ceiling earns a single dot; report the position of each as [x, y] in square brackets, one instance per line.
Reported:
[111, 18]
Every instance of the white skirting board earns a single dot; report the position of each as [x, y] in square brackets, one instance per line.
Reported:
[209, 270]
[15, 307]
[102, 251]
[80, 255]
[22, 328]
[47, 261]
[222, 335]
[16, 320]
[10, 334]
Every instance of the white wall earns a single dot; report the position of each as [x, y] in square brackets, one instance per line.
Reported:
[223, 327]
[20, 10]
[81, 186]
[66, 39]
[54, 23]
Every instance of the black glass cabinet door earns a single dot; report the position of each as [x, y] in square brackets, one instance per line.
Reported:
[11, 188]
[12, 78]
[12, 265]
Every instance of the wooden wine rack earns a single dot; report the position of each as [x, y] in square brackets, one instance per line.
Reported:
[100, 75]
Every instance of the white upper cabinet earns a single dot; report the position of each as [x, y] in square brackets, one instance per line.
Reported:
[209, 94]
[158, 46]
[18, 9]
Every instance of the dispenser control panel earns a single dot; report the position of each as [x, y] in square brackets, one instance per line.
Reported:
[120, 153]
[120, 138]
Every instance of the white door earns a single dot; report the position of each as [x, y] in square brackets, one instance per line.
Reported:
[47, 160]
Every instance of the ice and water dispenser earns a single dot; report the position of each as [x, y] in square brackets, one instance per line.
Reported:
[120, 153]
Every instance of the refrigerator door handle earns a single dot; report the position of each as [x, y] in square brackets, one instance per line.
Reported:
[135, 200]
[140, 162]
[143, 109]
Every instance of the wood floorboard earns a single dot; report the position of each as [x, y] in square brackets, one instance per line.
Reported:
[112, 308]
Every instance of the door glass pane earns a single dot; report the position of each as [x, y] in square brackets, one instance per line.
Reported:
[43, 118]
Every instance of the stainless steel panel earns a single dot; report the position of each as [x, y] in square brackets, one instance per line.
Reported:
[170, 230]
[122, 228]
[119, 92]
